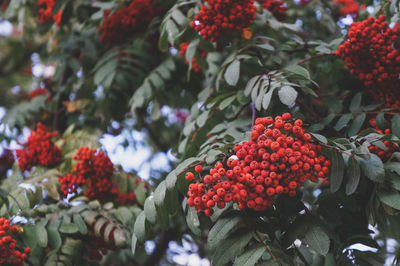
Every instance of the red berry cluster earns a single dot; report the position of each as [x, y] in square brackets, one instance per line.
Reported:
[39, 149]
[370, 55]
[278, 8]
[384, 154]
[46, 12]
[37, 92]
[123, 198]
[218, 18]
[183, 47]
[347, 7]
[278, 159]
[122, 23]
[94, 170]
[9, 255]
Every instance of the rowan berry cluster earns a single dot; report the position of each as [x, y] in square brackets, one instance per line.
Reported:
[182, 51]
[122, 23]
[370, 55]
[9, 254]
[93, 170]
[347, 7]
[218, 18]
[39, 150]
[384, 154]
[278, 159]
[37, 92]
[278, 8]
[46, 12]
[123, 198]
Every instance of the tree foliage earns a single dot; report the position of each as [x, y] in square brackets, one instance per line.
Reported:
[196, 91]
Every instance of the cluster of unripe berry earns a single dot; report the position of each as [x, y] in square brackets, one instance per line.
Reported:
[46, 12]
[278, 159]
[218, 18]
[39, 149]
[370, 54]
[346, 7]
[384, 154]
[278, 8]
[182, 51]
[122, 23]
[9, 254]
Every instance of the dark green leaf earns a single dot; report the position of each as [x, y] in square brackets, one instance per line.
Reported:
[150, 210]
[80, 223]
[221, 229]
[337, 170]
[391, 198]
[317, 239]
[356, 102]
[396, 125]
[251, 256]
[373, 168]
[232, 73]
[353, 175]
[343, 121]
[356, 124]
[41, 236]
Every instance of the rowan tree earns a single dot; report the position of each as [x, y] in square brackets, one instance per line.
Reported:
[280, 121]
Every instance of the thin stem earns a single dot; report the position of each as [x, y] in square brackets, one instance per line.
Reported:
[253, 114]
[336, 148]
[269, 251]
[312, 57]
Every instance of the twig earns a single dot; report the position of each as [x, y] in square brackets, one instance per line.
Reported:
[269, 251]
[312, 57]
[191, 166]
[336, 148]
[253, 114]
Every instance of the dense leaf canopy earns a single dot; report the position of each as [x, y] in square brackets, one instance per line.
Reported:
[280, 121]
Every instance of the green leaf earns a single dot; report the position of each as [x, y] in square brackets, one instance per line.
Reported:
[150, 210]
[298, 70]
[254, 81]
[251, 256]
[353, 175]
[226, 102]
[192, 220]
[287, 95]
[140, 194]
[139, 229]
[391, 198]
[202, 119]
[317, 239]
[381, 121]
[373, 168]
[356, 124]
[170, 180]
[54, 238]
[231, 247]
[162, 217]
[69, 228]
[133, 244]
[337, 170]
[232, 73]
[396, 125]
[159, 193]
[356, 102]
[41, 236]
[221, 229]
[343, 121]
[80, 223]
[320, 138]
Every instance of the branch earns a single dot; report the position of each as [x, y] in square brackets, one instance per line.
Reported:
[269, 251]
[312, 57]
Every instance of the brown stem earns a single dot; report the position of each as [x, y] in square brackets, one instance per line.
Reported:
[336, 148]
[312, 57]
[269, 251]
